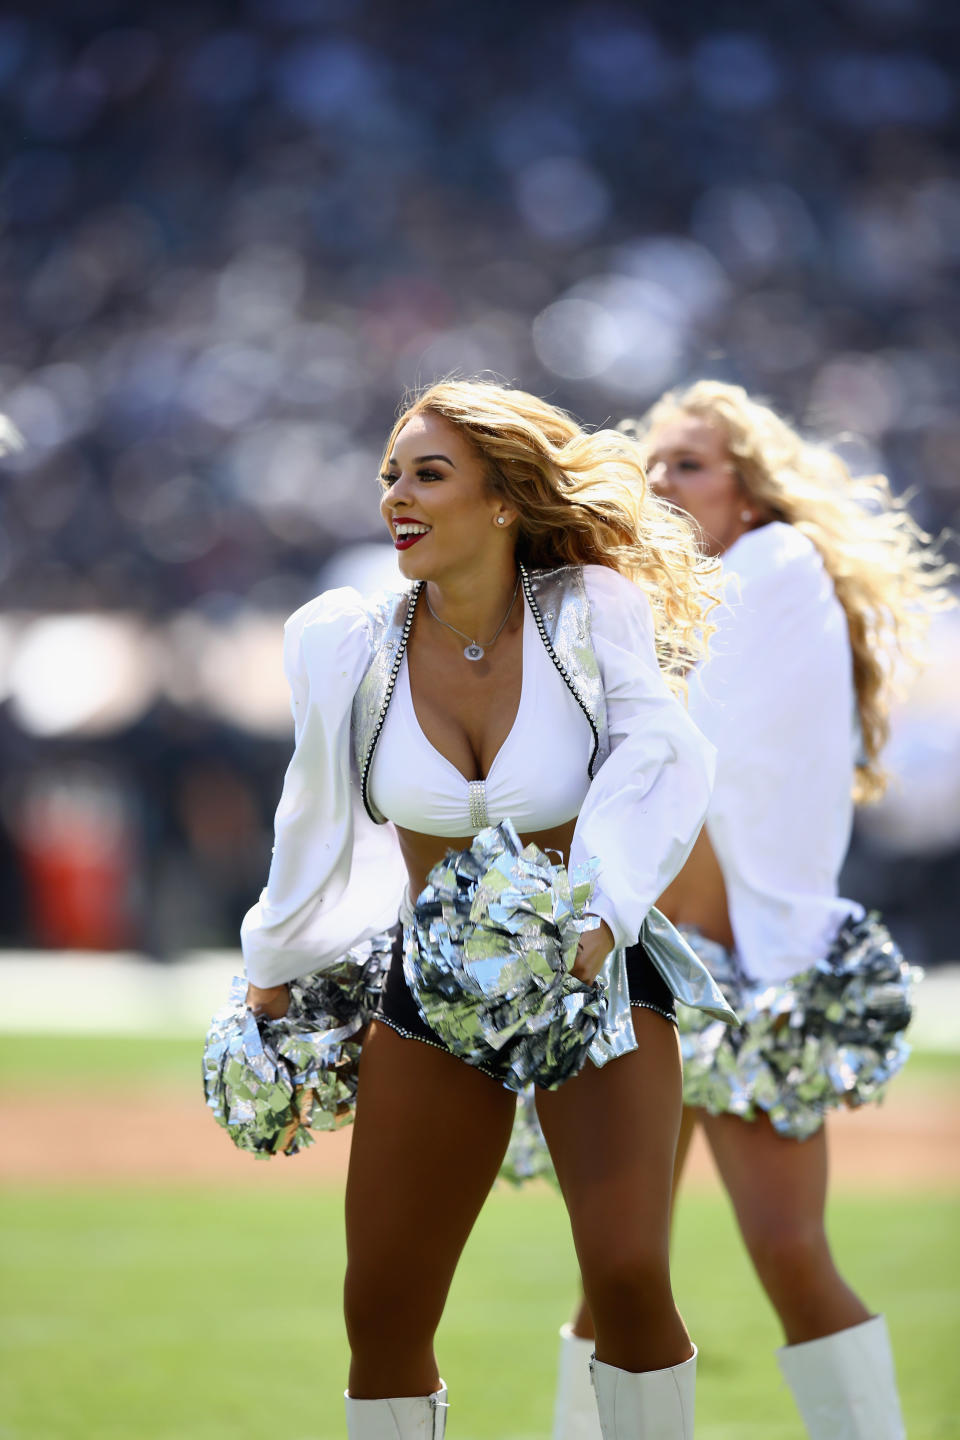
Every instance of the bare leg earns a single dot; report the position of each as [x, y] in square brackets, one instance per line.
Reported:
[583, 1320]
[778, 1188]
[429, 1136]
[688, 1123]
[612, 1135]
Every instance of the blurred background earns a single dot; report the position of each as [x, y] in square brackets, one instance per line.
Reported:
[232, 234]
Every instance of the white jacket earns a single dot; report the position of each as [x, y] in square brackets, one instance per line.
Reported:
[776, 698]
[337, 877]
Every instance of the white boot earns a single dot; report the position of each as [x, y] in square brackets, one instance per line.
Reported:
[407, 1417]
[651, 1405]
[575, 1413]
[844, 1385]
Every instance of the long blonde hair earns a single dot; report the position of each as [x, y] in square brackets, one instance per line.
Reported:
[582, 499]
[887, 575]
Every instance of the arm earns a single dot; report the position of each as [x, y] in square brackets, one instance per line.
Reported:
[646, 804]
[313, 907]
[776, 698]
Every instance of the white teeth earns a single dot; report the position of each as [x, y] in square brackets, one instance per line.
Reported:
[408, 527]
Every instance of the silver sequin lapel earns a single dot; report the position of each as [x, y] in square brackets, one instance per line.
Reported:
[560, 608]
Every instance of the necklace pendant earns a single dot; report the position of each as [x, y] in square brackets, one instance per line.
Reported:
[473, 651]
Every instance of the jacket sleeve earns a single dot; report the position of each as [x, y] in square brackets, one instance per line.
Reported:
[335, 878]
[776, 698]
[647, 802]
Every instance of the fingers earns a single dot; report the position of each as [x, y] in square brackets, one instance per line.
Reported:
[270, 1004]
[586, 967]
[592, 950]
[586, 973]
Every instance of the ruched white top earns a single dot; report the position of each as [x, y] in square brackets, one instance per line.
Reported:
[336, 878]
[538, 778]
[776, 697]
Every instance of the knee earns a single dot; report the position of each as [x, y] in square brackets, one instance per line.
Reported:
[787, 1253]
[375, 1306]
[384, 1306]
[627, 1281]
[360, 1308]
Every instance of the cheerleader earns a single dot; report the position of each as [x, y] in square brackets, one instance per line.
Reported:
[829, 585]
[519, 693]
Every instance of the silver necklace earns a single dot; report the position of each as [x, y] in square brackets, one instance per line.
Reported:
[473, 650]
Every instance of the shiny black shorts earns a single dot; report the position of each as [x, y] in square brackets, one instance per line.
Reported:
[398, 1008]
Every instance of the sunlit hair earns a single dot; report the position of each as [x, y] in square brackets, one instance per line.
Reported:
[582, 499]
[10, 438]
[887, 575]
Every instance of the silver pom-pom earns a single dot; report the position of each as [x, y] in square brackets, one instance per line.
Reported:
[270, 1083]
[488, 959]
[830, 1036]
[527, 1156]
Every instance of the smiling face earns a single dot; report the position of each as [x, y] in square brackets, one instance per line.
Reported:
[442, 517]
[688, 464]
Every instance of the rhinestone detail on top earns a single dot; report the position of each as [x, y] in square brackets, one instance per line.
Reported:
[477, 802]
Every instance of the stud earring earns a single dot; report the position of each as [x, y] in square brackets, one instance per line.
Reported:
[746, 516]
[501, 520]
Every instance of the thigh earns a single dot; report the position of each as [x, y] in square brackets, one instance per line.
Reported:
[778, 1188]
[612, 1134]
[428, 1139]
[688, 1124]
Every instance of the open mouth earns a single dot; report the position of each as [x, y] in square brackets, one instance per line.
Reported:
[407, 533]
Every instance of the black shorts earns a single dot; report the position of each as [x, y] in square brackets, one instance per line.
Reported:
[398, 1008]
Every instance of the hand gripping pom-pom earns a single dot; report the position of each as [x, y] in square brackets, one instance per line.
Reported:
[487, 959]
[270, 1083]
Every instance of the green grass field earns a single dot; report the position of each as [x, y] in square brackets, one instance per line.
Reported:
[25, 1062]
[214, 1313]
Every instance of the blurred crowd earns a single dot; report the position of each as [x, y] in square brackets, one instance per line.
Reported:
[232, 234]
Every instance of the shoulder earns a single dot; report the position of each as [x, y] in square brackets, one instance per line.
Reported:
[339, 626]
[605, 589]
[340, 609]
[775, 551]
[346, 609]
[778, 599]
[776, 566]
[610, 591]
[618, 606]
[595, 602]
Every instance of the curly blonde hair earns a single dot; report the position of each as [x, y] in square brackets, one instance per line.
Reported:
[582, 499]
[887, 574]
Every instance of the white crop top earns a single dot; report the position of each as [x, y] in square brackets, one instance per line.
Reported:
[336, 878]
[538, 778]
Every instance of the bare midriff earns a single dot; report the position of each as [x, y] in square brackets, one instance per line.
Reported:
[422, 852]
[698, 896]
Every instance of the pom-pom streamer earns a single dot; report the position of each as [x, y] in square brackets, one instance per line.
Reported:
[487, 957]
[830, 1036]
[271, 1083]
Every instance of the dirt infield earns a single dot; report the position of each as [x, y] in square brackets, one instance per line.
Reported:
[155, 1137]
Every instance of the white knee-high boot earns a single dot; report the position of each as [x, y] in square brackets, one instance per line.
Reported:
[844, 1385]
[405, 1417]
[650, 1405]
[575, 1412]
